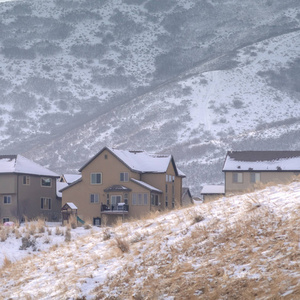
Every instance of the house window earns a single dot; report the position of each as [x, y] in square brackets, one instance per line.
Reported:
[26, 180]
[156, 200]
[167, 177]
[255, 177]
[170, 178]
[107, 199]
[115, 199]
[139, 199]
[7, 200]
[126, 199]
[152, 199]
[166, 188]
[134, 199]
[237, 177]
[124, 177]
[46, 182]
[45, 203]
[166, 200]
[5, 220]
[105, 156]
[96, 178]
[97, 221]
[94, 198]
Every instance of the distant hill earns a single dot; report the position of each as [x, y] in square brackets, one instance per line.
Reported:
[192, 78]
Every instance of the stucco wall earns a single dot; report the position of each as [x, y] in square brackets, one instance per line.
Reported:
[265, 178]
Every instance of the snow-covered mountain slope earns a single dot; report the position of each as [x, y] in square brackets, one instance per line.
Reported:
[200, 115]
[242, 247]
[183, 76]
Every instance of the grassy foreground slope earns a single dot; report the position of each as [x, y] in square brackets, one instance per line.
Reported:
[242, 247]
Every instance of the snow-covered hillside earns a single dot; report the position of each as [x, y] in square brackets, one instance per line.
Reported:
[187, 77]
[242, 247]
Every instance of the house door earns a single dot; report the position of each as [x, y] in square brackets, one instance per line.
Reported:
[115, 199]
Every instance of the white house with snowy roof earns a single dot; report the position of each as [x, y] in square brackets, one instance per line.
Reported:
[122, 184]
[245, 170]
[27, 190]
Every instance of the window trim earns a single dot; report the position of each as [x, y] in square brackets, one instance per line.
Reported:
[26, 180]
[237, 177]
[125, 176]
[43, 180]
[94, 202]
[91, 178]
[7, 197]
[253, 175]
[49, 202]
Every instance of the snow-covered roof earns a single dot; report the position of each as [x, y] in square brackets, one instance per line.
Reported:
[59, 187]
[22, 165]
[72, 205]
[262, 161]
[213, 189]
[146, 185]
[141, 161]
[69, 178]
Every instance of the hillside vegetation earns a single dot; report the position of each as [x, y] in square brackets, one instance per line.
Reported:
[241, 247]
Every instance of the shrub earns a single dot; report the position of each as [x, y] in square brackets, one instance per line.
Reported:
[57, 231]
[3, 234]
[122, 244]
[106, 234]
[68, 235]
[28, 242]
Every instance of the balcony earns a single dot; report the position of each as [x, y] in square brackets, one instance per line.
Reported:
[119, 209]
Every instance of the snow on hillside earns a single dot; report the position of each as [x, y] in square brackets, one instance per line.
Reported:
[197, 117]
[244, 246]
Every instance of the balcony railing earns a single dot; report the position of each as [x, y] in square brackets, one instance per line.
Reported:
[119, 208]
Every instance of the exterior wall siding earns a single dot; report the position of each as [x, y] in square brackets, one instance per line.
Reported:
[246, 185]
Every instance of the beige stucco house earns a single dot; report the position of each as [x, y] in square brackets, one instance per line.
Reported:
[27, 190]
[245, 170]
[124, 184]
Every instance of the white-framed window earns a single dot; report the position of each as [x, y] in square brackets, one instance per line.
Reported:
[7, 199]
[45, 203]
[115, 199]
[124, 176]
[255, 177]
[96, 178]
[167, 177]
[237, 177]
[94, 198]
[46, 181]
[26, 180]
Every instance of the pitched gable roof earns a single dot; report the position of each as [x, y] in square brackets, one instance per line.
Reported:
[213, 189]
[262, 161]
[141, 161]
[22, 165]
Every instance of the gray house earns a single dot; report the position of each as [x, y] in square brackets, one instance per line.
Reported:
[27, 190]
